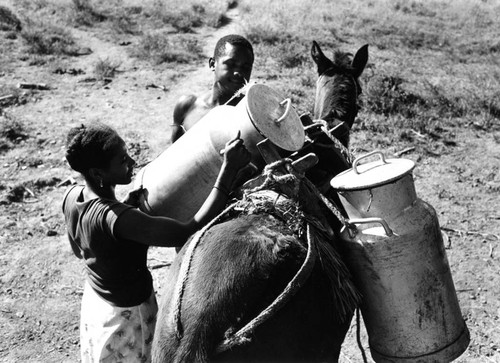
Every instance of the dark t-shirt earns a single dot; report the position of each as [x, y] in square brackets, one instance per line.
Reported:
[116, 268]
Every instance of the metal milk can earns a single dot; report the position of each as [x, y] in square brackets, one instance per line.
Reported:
[179, 180]
[394, 248]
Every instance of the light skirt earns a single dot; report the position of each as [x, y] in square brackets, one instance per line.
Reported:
[113, 334]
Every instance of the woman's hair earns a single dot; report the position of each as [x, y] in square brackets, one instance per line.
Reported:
[91, 146]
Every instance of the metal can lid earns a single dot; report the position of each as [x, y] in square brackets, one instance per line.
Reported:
[274, 117]
[372, 174]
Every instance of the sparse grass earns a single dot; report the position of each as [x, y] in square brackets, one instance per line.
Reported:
[413, 80]
[161, 47]
[125, 24]
[86, 14]
[49, 39]
[8, 20]
[12, 96]
[416, 7]
[44, 12]
[33, 5]
[386, 95]
[185, 15]
[105, 68]
[114, 18]
[12, 129]
[12, 132]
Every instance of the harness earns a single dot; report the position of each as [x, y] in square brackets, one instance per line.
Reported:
[243, 335]
[323, 125]
[343, 124]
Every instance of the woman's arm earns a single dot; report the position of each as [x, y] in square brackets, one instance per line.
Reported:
[162, 231]
[151, 230]
[236, 156]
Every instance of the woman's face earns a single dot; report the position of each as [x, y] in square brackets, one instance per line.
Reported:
[120, 168]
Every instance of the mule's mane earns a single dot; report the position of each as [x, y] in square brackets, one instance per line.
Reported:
[343, 60]
[341, 64]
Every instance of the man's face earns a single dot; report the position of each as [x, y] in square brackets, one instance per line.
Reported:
[233, 68]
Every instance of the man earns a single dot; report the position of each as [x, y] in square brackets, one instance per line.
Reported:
[232, 66]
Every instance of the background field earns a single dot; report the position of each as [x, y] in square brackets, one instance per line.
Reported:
[431, 93]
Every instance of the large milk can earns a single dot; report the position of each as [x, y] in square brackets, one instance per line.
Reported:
[180, 179]
[394, 248]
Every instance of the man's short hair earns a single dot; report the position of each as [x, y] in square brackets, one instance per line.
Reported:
[234, 40]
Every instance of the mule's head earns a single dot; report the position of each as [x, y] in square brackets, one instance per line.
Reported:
[338, 88]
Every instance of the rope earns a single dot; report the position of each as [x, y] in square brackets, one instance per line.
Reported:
[272, 179]
[242, 336]
[184, 271]
[358, 336]
[328, 203]
[343, 150]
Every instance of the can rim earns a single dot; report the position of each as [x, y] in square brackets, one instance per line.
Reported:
[372, 174]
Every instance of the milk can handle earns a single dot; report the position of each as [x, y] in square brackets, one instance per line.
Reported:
[359, 158]
[288, 107]
[352, 223]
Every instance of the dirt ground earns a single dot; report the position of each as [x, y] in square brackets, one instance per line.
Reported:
[40, 280]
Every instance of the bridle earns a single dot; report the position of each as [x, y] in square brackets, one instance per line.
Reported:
[339, 71]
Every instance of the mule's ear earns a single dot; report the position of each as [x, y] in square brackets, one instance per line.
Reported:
[211, 63]
[360, 60]
[319, 58]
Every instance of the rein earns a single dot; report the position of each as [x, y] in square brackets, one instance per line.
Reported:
[336, 142]
[186, 266]
[242, 336]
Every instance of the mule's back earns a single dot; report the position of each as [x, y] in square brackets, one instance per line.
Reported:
[238, 268]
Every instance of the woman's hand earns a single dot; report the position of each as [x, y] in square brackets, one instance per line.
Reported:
[133, 198]
[236, 155]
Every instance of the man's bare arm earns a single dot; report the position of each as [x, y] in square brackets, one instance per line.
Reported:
[181, 109]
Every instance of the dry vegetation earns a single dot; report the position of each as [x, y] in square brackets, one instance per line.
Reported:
[431, 92]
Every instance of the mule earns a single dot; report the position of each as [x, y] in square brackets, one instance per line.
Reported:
[238, 268]
[263, 282]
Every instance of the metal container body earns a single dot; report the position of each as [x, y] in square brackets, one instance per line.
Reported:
[180, 179]
[394, 248]
[409, 305]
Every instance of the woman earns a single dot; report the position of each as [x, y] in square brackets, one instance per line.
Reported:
[118, 306]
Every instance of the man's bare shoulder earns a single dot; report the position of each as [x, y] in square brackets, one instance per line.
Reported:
[184, 104]
[186, 101]
[190, 109]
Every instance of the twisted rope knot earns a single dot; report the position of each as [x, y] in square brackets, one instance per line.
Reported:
[324, 127]
[273, 177]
